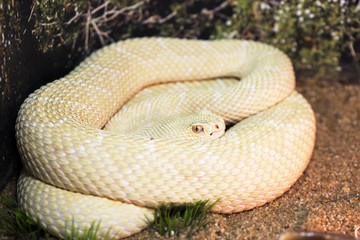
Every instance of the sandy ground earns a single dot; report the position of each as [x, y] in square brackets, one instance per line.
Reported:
[327, 197]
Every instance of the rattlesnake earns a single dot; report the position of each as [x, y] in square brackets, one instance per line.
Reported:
[61, 141]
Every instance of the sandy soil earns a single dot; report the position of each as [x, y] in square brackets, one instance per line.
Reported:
[327, 197]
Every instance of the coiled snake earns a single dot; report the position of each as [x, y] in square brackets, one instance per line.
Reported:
[75, 170]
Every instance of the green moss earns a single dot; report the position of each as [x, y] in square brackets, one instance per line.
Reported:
[185, 219]
[16, 224]
[169, 220]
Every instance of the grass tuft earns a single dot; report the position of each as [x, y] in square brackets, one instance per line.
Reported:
[15, 222]
[169, 220]
[87, 234]
[187, 218]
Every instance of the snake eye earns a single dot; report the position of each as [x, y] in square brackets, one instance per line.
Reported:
[197, 129]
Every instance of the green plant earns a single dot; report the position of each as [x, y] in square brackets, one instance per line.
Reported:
[186, 218]
[169, 220]
[15, 222]
[87, 234]
[317, 35]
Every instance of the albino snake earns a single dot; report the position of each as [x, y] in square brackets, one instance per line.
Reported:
[62, 143]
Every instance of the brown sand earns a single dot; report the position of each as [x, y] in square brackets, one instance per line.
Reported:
[327, 197]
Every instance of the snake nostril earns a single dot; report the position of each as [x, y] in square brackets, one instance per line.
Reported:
[216, 126]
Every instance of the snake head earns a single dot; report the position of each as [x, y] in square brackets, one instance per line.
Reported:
[199, 126]
[206, 125]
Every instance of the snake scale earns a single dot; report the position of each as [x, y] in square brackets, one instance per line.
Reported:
[77, 171]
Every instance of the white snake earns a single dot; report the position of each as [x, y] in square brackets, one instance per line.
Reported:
[62, 143]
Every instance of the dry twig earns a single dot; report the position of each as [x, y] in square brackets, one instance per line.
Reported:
[98, 23]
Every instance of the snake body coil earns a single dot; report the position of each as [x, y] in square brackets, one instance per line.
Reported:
[75, 170]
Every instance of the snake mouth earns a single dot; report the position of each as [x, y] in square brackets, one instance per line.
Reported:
[217, 131]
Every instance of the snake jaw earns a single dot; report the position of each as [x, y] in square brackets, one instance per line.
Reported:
[217, 134]
[218, 129]
[214, 130]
